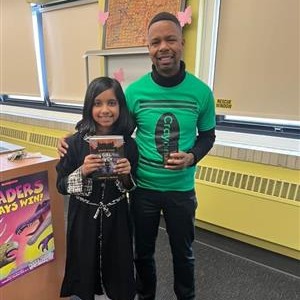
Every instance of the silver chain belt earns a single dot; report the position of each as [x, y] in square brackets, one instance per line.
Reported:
[101, 205]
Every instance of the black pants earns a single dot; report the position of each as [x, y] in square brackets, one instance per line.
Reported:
[179, 212]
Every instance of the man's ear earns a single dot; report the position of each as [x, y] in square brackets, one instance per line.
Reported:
[183, 42]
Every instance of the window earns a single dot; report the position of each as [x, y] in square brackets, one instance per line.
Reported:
[61, 31]
[241, 53]
[250, 57]
[18, 60]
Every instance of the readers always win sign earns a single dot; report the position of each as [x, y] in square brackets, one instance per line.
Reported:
[26, 233]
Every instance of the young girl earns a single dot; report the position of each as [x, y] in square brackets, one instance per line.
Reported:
[99, 244]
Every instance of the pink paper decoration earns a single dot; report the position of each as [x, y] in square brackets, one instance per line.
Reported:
[185, 17]
[102, 17]
[119, 75]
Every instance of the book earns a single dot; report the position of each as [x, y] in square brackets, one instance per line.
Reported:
[110, 148]
[6, 147]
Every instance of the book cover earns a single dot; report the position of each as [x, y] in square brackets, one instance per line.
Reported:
[110, 149]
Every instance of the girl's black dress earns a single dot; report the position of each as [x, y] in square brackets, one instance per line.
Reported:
[99, 250]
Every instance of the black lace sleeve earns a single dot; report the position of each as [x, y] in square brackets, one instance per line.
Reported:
[74, 158]
[131, 152]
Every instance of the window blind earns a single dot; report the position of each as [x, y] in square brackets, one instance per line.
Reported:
[257, 62]
[18, 61]
[68, 33]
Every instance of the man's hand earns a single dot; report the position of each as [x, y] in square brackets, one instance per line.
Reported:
[179, 160]
[62, 146]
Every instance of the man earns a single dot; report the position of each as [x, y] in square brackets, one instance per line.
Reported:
[168, 105]
[175, 119]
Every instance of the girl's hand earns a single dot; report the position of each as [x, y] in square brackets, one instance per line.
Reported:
[123, 166]
[91, 163]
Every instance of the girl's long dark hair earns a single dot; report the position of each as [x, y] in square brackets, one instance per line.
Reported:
[87, 126]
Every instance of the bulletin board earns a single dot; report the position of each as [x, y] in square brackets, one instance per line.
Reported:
[127, 23]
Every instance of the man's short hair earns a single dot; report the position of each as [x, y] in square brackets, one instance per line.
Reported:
[164, 16]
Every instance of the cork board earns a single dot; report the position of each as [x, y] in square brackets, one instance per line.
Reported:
[127, 23]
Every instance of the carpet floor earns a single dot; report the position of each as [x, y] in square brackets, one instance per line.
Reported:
[226, 269]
